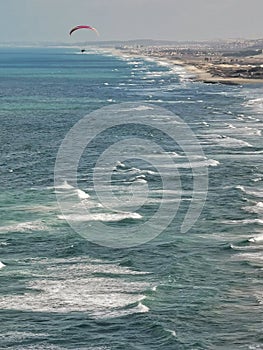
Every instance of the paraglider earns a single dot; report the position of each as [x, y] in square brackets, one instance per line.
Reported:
[83, 27]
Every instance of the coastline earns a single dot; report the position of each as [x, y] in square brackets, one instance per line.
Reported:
[198, 72]
[203, 75]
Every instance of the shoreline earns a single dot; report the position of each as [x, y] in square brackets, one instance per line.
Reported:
[203, 75]
[197, 73]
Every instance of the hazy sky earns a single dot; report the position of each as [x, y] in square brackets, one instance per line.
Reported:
[50, 20]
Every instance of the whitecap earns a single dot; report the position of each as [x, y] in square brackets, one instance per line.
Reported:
[257, 209]
[82, 194]
[255, 347]
[73, 285]
[255, 239]
[134, 62]
[64, 186]
[212, 162]
[143, 108]
[34, 208]
[140, 181]
[250, 191]
[256, 104]
[171, 331]
[230, 126]
[195, 164]
[254, 257]
[253, 221]
[138, 108]
[150, 172]
[104, 217]
[244, 222]
[24, 227]
[19, 336]
[245, 248]
[120, 165]
[225, 141]
[142, 308]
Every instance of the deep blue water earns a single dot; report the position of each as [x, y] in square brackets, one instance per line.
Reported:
[196, 290]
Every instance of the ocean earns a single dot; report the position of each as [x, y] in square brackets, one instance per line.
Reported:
[154, 240]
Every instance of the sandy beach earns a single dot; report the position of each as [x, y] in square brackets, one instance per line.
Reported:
[203, 75]
[198, 69]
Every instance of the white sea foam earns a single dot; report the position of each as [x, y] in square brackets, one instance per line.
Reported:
[183, 74]
[171, 331]
[196, 164]
[120, 165]
[242, 188]
[19, 336]
[157, 100]
[240, 131]
[68, 285]
[246, 248]
[255, 347]
[256, 104]
[27, 226]
[253, 221]
[252, 119]
[64, 186]
[35, 208]
[213, 162]
[253, 257]
[41, 346]
[79, 266]
[139, 108]
[140, 181]
[104, 217]
[255, 239]
[82, 194]
[149, 172]
[142, 308]
[142, 176]
[250, 191]
[133, 171]
[134, 62]
[257, 209]
[244, 222]
[225, 141]
[48, 346]
[156, 74]
[143, 108]
[70, 190]
[231, 126]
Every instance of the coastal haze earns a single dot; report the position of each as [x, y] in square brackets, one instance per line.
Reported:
[50, 20]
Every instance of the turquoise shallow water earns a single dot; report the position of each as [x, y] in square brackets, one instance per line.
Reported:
[198, 290]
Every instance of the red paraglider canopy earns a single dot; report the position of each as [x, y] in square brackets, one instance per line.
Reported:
[83, 27]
